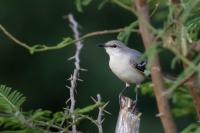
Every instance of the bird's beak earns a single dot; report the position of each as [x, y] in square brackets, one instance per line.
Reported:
[101, 45]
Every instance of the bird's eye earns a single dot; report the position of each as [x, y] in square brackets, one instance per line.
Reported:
[114, 46]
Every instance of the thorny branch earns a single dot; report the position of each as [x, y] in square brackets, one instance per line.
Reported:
[74, 78]
[99, 118]
[157, 78]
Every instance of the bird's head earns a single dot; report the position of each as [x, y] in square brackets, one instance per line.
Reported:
[113, 47]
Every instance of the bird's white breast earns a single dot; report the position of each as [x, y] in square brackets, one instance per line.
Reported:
[122, 68]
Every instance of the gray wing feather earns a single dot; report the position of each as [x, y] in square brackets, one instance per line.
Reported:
[135, 60]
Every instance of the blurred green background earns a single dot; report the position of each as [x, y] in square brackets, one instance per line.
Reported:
[42, 77]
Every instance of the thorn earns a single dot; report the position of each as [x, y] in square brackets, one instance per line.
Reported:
[71, 77]
[159, 114]
[81, 80]
[71, 58]
[93, 99]
[67, 101]
[102, 120]
[107, 112]
[105, 104]
[67, 86]
[83, 69]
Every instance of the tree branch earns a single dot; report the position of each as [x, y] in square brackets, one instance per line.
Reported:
[75, 76]
[41, 48]
[156, 72]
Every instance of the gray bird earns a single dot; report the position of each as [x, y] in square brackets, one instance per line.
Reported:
[125, 63]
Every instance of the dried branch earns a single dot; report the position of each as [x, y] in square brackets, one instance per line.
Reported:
[41, 48]
[75, 76]
[157, 78]
[128, 118]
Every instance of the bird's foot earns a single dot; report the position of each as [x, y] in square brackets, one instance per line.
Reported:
[121, 93]
[120, 96]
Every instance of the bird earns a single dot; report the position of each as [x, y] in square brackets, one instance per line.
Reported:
[125, 63]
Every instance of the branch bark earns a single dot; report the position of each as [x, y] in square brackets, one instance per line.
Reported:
[157, 78]
[128, 118]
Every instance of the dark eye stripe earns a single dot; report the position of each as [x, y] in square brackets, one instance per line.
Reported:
[114, 46]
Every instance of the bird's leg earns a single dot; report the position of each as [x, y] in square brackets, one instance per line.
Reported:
[136, 93]
[121, 93]
[136, 97]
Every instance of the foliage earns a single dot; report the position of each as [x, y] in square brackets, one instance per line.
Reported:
[12, 119]
[192, 128]
[10, 101]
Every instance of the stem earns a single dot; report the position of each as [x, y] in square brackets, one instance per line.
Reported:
[42, 48]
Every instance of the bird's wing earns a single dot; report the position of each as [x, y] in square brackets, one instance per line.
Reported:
[141, 66]
[136, 63]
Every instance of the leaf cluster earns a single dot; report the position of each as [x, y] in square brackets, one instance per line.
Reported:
[12, 119]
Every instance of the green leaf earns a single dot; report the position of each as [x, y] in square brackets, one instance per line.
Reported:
[41, 115]
[147, 88]
[88, 108]
[10, 101]
[186, 72]
[182, 100]
[101, 5]
[125, 35]
[86, 2]
[192, 128]
[78, 5]
[11, 122]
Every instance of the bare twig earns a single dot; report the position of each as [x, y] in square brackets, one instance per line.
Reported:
[99, 118]
[14, 39]
[157, 78]
[41, 48]
[75, 76]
